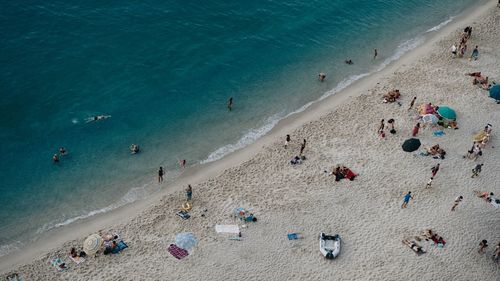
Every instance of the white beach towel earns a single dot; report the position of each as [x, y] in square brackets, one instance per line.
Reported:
[77, 260]
[227, 228]
[494, 203]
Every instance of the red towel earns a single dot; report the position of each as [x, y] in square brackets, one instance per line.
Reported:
[177, 252]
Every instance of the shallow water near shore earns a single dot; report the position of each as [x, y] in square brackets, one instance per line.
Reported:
[164, 72]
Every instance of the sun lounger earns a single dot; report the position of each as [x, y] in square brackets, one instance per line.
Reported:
[221, 228]
[177, 252]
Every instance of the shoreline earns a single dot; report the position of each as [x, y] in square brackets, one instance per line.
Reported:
[54, 239]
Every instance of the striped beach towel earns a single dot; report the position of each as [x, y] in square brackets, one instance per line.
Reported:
[177, 252]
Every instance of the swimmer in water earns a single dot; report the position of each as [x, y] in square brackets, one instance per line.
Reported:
[62, 151]
[321, 76]
[97, 118]
[55, 158]
[134, 148]
[349, 61]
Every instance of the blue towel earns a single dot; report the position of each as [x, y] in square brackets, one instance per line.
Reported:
[439, 133]
[119, 247]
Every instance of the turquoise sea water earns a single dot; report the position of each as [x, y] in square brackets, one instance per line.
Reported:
[164, 71]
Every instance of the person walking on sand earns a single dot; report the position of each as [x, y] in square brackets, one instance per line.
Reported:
[435, 169]
[287, 141]
[477, 170]
[375, 53]
[415, 129]
[429, 183]
[302, 147]
[482, 246]
[475, 53]
[457, 200]
[321, 77]
[412, 103]
[391, 126]
[230, 104]
[189, 192]
[160, 175]
[382, 125]
[406, 199]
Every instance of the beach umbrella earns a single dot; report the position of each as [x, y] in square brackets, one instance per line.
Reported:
[447, 113]
[411, 145]
[430, 118]
[495, 92]
[92, 244]
[185, 240]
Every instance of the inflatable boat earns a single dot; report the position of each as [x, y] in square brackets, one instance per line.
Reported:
[329, 246]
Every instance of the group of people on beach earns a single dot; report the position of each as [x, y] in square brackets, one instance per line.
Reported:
[462, 46]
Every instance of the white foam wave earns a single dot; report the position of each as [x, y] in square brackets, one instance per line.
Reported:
[132, 195]
[441, 25]
[247, 139]
[255, 134]
[9, 248]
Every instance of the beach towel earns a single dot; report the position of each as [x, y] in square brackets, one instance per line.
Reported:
[495, 202]
[439, 133]
[294, 236]
[77, 260]
[221, 228]
[59, 264]
[184, 215]
[119, 247]
[177, 252]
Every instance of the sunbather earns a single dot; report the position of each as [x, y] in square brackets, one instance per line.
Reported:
[348, 174]
[392, 96]
[414, 246]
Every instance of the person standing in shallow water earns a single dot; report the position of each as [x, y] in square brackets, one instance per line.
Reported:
[160, 175]
[375, 53]
[230, 104]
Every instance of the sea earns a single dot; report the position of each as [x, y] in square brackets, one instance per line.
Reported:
[163, 72]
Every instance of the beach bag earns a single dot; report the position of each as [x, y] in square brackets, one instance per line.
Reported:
[392, 131]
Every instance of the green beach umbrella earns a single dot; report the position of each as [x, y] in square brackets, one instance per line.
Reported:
[447, 113]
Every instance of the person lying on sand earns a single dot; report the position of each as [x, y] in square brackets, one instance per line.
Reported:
[392, 96]
[414, 246]
[341, 172]
[484, 194]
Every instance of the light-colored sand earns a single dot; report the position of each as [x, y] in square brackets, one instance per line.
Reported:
[365, 212]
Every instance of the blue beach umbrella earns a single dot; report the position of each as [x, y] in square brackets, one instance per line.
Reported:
[447, 113]
[185, 240]
[495, 92]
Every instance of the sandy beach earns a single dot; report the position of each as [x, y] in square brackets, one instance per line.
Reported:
[366, 212]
